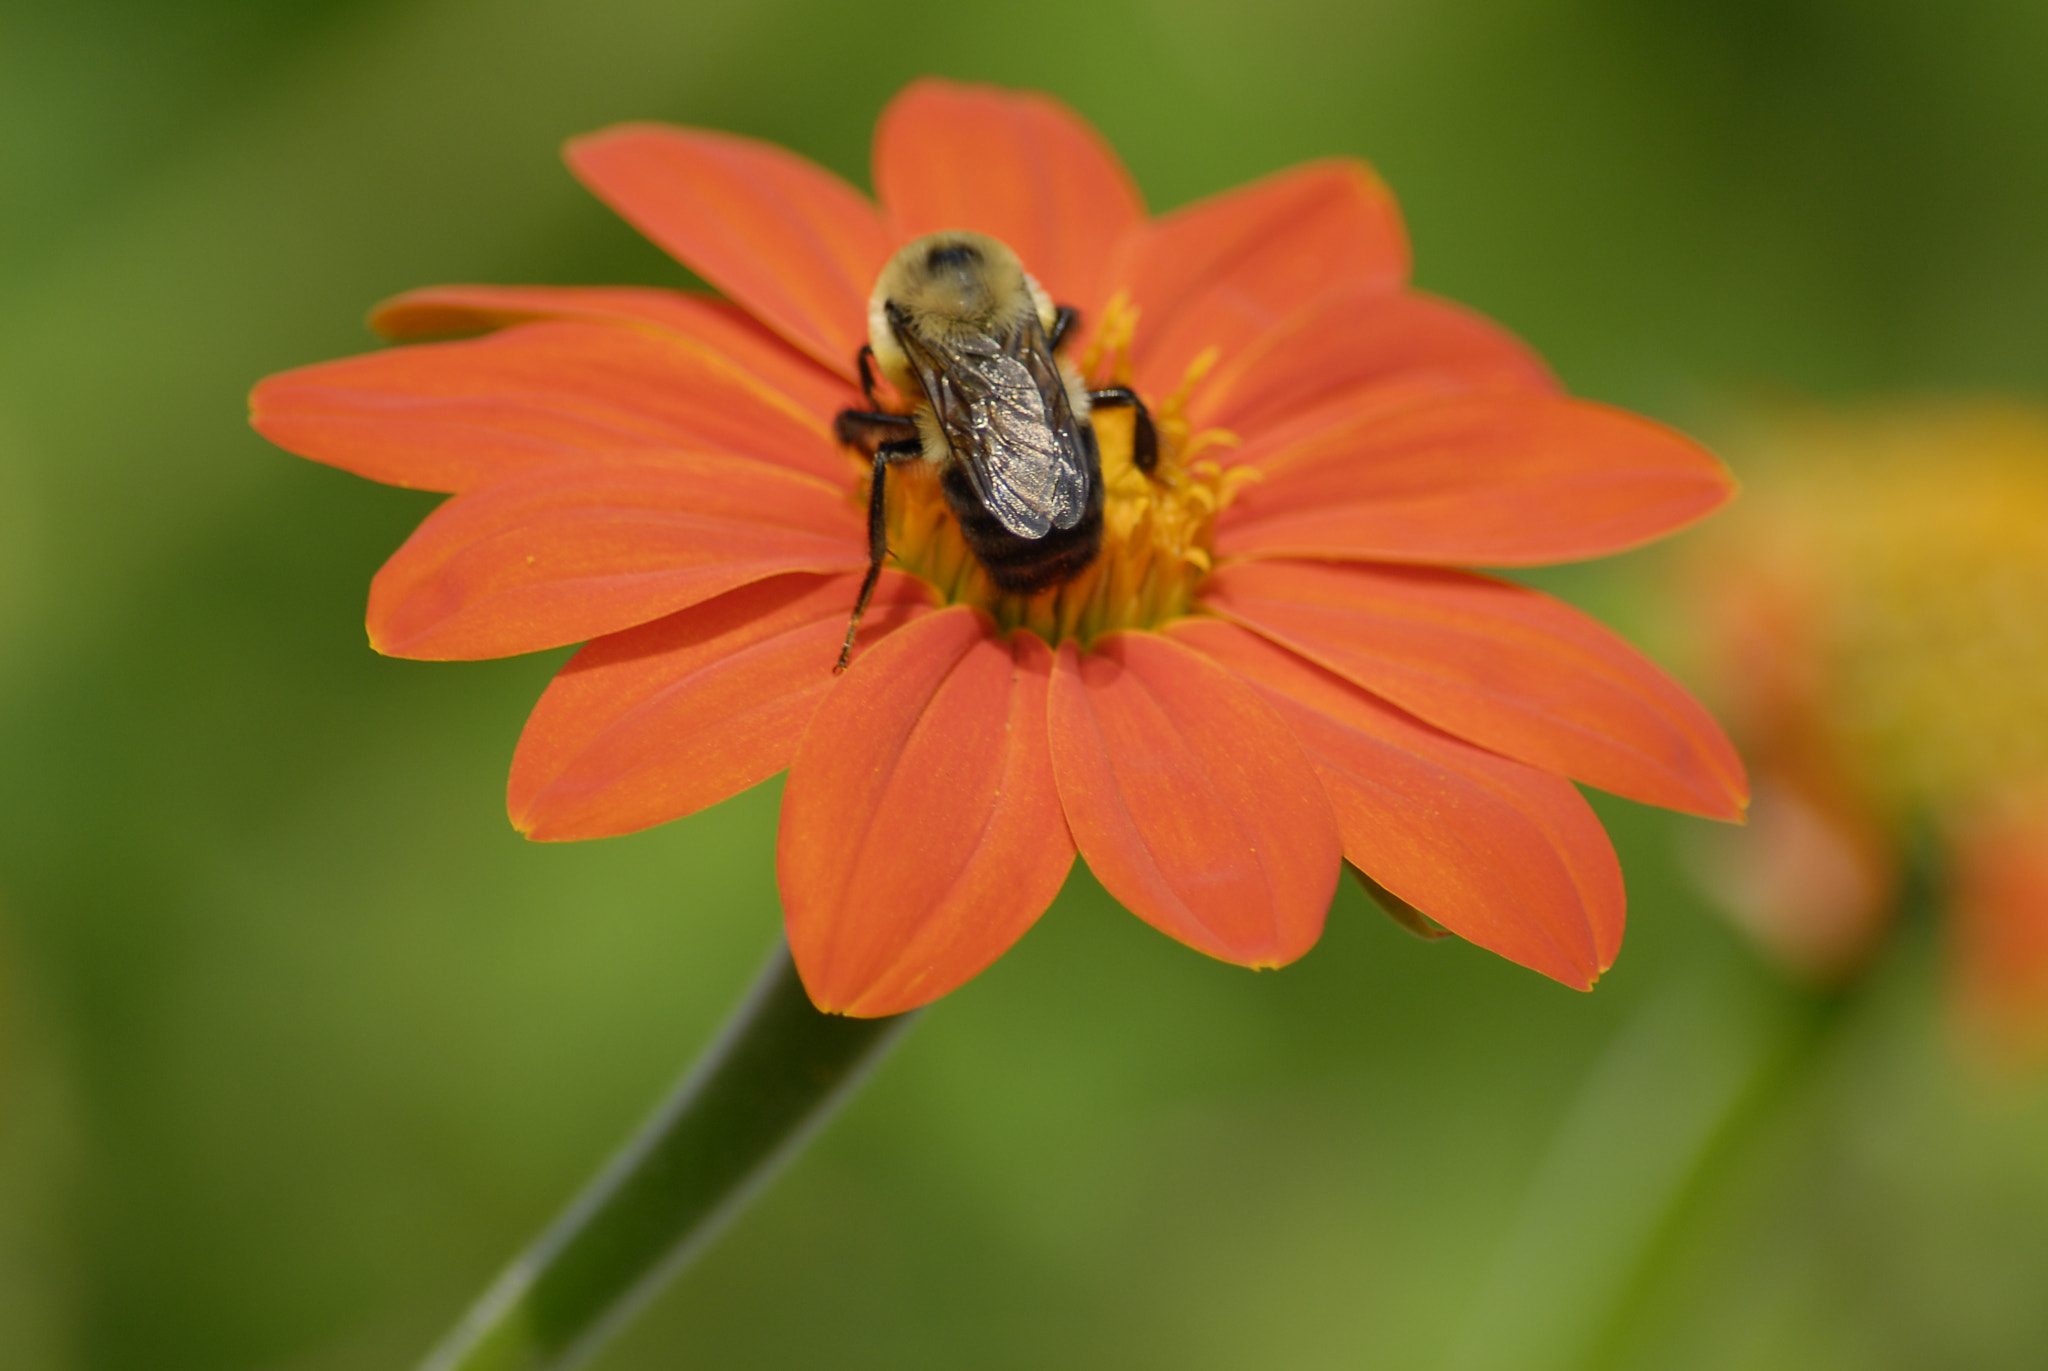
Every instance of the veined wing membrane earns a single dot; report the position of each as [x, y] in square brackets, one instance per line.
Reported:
[1003, 407]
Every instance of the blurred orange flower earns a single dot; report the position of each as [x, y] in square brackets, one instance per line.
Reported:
[1273, 663]
[1877, 625]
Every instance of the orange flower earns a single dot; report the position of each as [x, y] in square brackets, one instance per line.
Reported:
[1272, 664]
[1877, 622]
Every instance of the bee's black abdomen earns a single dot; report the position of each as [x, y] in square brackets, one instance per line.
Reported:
[1019, 565]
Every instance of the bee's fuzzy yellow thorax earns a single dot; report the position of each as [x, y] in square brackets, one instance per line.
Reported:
[947, 280]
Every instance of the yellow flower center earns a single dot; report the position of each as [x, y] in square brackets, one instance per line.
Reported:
[1928, 538]
[1157, 529]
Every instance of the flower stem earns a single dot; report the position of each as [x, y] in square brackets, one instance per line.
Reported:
[1670, 1112]
[1787, 1072]
[777, 1071]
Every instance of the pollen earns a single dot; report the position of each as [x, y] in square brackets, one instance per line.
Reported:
[1918, 546]
[1158, 527]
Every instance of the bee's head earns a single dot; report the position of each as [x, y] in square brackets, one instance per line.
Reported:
[947, 281]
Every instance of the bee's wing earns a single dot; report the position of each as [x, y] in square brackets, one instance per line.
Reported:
[1004, 408]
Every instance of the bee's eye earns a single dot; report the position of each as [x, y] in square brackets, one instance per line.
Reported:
[952, 257]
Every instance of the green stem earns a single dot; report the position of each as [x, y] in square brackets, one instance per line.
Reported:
[1790, 1069]
[775, 1074]
[1819, 1021]
[1669, 1114]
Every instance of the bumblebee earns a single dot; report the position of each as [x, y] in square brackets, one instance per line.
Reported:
[956, 320]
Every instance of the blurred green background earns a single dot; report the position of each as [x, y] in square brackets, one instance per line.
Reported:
[298, 1041]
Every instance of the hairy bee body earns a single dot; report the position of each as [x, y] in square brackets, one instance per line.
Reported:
[959, 328]
[956, 321]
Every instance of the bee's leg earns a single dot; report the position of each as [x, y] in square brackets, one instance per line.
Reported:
[1144, 436]
[872, 430]
[1065, 318]
[865, 360]
[888, 454]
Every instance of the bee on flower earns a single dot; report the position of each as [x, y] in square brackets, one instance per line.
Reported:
[1876, 624]
[1158, 555]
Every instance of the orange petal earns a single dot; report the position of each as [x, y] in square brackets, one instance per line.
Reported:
[1999, 930]
[1349, 349]
[447, 416]
[1502, 854]
[1191, 800]
[1224, 270]
[662, 720]
[718, 325]
[791, 243]
[1501, 665]
[1497, 480]
[565, 553]
[921, 834]
[1016, 165]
